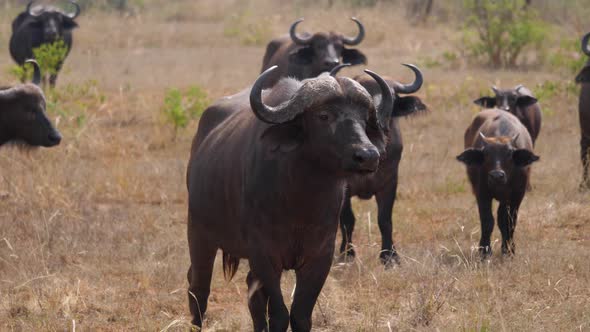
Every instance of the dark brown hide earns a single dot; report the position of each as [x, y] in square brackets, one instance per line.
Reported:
[584, 111]
[383, 183]
[498, 154]
[272, 193]
[321, 52]
[23, 117]
[520, 102]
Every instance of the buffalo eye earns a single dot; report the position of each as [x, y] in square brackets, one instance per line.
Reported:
[324, 116]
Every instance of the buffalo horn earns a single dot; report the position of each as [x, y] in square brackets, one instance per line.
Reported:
[274, 115]
[30, 7]
[336, 69]
[413, 87]
[75, 13]
[36, 71]
[386, 106]
[359, 38]
[297, 39]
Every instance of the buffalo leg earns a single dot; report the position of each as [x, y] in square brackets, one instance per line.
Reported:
[385, 201]
[257, 301]
[310, 280]
[202, 255]
[507, 219]
[486, 218]
[585, 156]
[347, 222]
[269, 275]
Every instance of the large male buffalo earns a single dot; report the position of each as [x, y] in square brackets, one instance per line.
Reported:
[584, 108]
[23, 117]
[498, 154]
[41, 25]
[383, 183]
[267, 183]
[305, 56]
[518, 101]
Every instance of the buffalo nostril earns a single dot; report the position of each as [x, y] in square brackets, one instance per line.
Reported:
[497, 175]
[54, 138]
[366, 158]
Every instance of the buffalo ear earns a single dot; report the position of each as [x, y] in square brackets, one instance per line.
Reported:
[69, 24]
[524, 157]
[408, 105]
[354, 57]
[526, 101]
[486, 102]
[282, 137]
[471, 157]
[301, 56]
[584, 75]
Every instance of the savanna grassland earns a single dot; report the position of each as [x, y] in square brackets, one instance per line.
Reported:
[93, 232]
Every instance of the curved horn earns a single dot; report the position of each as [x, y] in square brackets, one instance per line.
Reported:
[274, 115]
[296, 39]
[36, 71]
[514, 138]
[518, 87]
[585, 47]
[495, 89]
[359, 38]
[413, 87]
[77, 12]
[386, 106]
[336, 69]
[483, 137]
[29, 7]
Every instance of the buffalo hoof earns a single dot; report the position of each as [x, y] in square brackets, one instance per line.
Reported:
[485, 253]
[389, 258]
[347, 256]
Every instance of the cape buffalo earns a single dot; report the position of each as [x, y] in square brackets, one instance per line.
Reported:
[305, 56]
[584, 108]
[498, 154]
[267, 184]
[383, 183]
[22, 114]
[38, 26]
[518, 101]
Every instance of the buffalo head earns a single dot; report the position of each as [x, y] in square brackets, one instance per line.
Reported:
[331, 120]
[498, 158]
[52, 21]
[323, 51]
[508, 99]
[23, 116]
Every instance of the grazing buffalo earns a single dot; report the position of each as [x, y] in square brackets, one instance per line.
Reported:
[584, 107]
[498, 154]
[39, 26]
[518, 101]
[305, 56]
[383, 183]
[267, 183]
[22, 114]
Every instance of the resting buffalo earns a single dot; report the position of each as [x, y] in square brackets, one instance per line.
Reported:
[518, 101]
[305, 56]
[22, 114]
[267, 183]
[383, 183]
[584, 108]
[498, 154]
[38, 26]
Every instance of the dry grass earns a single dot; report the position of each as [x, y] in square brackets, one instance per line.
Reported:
[92, 233]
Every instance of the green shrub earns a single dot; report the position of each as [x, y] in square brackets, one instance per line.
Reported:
[568, 57]
[501, 30]
[180, 107]
[48, 56]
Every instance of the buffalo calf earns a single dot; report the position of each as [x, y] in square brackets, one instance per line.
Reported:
[520, 102]
[584, 110]
[498, 154]
[266, 181]
[23, 117]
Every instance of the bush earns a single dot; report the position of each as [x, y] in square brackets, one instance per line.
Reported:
[501, 30]
[48, 56]
[180, 107]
